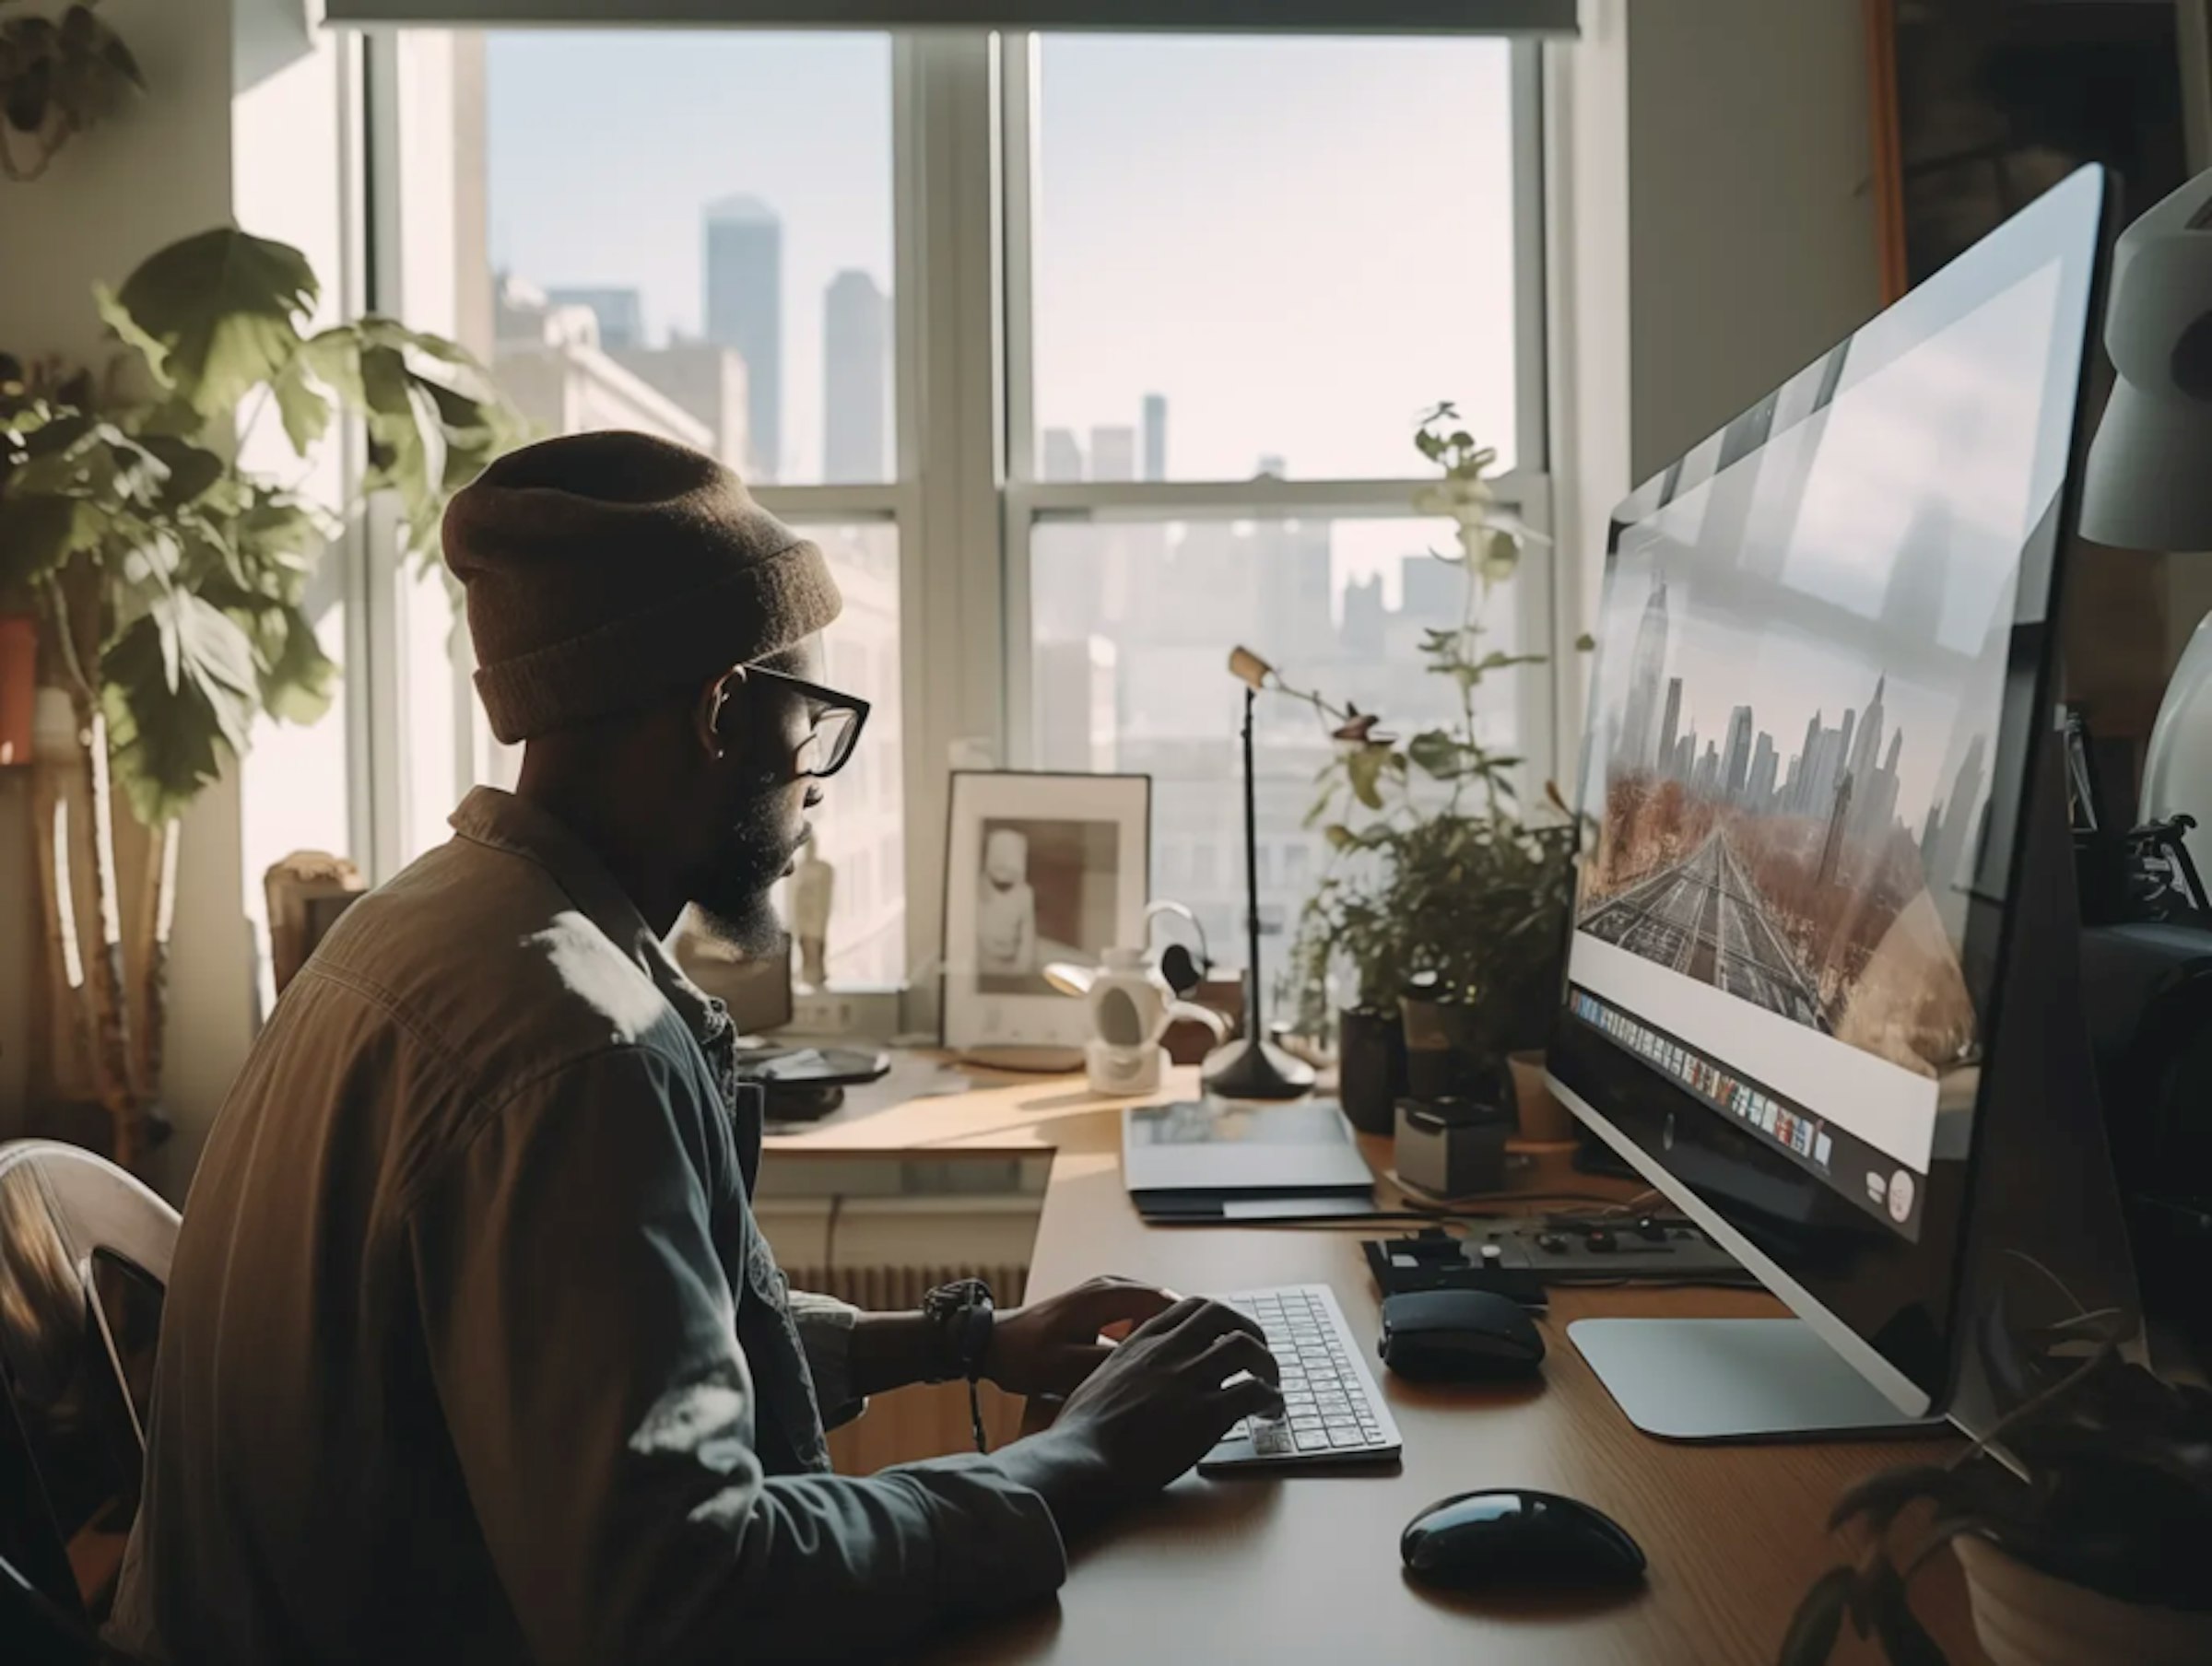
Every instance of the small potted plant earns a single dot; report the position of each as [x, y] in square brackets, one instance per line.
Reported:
[1434, 867]
[2089, 1549]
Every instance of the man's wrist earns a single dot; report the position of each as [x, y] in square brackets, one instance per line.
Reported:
[890, 1351]
[1067, 1471]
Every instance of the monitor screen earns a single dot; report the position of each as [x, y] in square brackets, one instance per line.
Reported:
[1821, 650]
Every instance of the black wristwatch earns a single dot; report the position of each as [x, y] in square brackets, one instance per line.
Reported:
[963, 1314]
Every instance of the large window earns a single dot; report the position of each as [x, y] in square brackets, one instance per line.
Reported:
[1252, 265]
[1085, 358]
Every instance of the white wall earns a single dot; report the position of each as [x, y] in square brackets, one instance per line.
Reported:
[1712, 228]
[231, 81]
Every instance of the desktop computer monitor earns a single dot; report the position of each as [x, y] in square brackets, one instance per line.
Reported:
[1822, 687]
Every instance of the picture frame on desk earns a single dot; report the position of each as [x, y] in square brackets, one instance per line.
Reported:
[1039, 866]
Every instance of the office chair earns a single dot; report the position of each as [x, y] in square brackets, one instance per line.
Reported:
[85, 1254]
[35, 1631]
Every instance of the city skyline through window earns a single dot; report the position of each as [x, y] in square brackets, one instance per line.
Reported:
[1247, 257]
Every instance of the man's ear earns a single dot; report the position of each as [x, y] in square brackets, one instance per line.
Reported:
[707, 715]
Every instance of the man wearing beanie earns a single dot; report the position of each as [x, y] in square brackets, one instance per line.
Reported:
[472, 1349]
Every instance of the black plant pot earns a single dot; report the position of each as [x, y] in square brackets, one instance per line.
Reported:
[1452, 1055]
[1371, 1067]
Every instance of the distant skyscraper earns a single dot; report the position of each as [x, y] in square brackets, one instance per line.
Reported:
[744, 311]
[1639, 727]
[1668, 725]
[1764, 762]
[1736, 760]
[1807, 769]
[1113, 454]
[1156, 437]
[1063, 459]
[1952, 834]
[1707, 774]
[855, 379]
[1361, 633]
[1831, 849]
[1866, 750]
[620, 313]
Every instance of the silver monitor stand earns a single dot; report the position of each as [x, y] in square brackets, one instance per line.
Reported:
[1735, 1380]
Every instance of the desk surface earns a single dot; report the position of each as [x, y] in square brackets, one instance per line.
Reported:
[1306, 1568]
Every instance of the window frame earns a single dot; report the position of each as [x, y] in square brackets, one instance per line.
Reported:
[1029, 501]
[963, 499]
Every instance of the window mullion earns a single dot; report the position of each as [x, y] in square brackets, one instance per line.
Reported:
[946, 127]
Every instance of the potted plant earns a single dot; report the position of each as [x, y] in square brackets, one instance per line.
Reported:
[2087, 1549]
[1434, 866]
[167, 579]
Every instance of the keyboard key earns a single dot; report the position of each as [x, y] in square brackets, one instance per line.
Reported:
[1273, 1440]
[1344, 1439]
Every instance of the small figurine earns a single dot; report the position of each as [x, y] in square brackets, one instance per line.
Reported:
[813, 891]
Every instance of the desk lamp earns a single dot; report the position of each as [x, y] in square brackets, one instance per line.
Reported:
[1251, 1067]
[2148, 481]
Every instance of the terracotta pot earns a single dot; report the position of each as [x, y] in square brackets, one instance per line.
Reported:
[1544, 1119]
[19, 686]
[1371, 1067]
[2026, 1617]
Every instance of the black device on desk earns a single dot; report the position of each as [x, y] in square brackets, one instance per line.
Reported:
[1517, 1538]
[805, 1084]
[1458, 1336]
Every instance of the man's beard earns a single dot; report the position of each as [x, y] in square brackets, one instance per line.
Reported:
[733, 901]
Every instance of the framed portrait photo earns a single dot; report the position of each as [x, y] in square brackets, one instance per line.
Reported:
[1039, 868]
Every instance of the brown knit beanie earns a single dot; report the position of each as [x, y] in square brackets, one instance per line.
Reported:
[605, 570]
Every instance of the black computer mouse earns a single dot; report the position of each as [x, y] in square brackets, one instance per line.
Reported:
[1458, 1336]
[1517, 1537]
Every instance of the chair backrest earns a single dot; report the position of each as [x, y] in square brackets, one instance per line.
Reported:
[85, 1253]
[37, 1631]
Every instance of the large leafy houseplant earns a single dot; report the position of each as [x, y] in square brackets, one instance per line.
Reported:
[168, 579]
[1434, 864]
[2109, 1491]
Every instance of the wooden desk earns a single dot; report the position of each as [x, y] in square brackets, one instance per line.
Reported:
[1307, 1568]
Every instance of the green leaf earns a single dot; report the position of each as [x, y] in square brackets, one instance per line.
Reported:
[297, 679]
[1340, 836]
[1585, 643]
[1438, 754]
[1818, 1623]
[1364, 768]
[193, 470]
[215, 314]
[38, 535]
[1904, 1640]
[301, 405]
[181, 693]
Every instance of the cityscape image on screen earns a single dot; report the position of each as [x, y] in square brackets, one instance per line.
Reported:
[1801, 660]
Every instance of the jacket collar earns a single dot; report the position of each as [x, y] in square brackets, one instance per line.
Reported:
[503, 822]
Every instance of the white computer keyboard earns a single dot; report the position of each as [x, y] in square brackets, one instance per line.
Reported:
[1332, 1412]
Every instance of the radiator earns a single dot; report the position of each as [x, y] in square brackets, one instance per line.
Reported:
[892, 1289]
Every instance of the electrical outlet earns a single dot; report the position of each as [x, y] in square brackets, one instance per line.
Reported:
[870, 1013]
[822, 1012]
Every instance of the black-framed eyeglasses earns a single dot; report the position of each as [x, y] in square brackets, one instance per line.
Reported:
[834, 723]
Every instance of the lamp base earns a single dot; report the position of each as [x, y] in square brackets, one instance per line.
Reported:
[1253, 1068]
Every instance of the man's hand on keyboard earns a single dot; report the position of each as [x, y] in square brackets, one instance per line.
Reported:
[1151, 1411]
[1051, 1346]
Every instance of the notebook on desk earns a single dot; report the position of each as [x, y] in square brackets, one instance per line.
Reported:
[1230, 1161]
